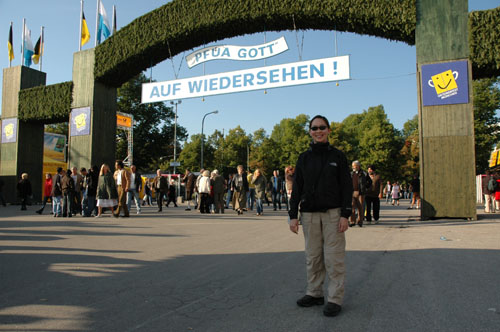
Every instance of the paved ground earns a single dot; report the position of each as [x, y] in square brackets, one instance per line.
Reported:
[182, 271]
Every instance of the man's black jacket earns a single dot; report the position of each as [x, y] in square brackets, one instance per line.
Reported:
[322, 181]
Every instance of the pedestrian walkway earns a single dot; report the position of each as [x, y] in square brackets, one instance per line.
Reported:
[185, 271]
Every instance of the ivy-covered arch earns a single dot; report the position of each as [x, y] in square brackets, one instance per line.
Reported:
[188, 24]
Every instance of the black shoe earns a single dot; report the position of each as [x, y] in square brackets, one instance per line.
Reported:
[309, 301]
[360, 224]
[38, 211]
[331, 309]
[188, 209]
[352, 224]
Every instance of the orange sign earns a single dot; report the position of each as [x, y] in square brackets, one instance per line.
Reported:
[123, 121]
[493, 158]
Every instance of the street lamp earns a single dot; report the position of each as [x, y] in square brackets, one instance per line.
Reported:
[202, 137]
[175, 133]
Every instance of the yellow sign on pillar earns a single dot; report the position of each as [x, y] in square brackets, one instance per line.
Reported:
[494, 158]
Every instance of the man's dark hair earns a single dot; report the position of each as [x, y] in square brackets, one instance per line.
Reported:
[119, 163]
[83, 169]
[319, 117]
[59, 170]
[372, 167]
[68, 172]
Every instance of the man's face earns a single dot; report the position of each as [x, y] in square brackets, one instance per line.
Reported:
[84, 173]
[370, 171]
[355, 167]
[74, 170]
[133, 168]
[158, 172]
[117, 166]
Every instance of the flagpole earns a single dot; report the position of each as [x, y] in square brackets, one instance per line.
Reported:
[97, 22]
[81, 21]
[22, 44]
[10, 60]
[41, 47]
[114, 19]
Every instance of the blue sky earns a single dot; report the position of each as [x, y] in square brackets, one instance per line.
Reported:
[382, 71]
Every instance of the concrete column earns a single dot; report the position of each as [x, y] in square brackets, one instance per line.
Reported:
[26, 154]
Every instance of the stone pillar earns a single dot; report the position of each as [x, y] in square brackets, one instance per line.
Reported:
[447, 157]
[25, 155]
[99, 146]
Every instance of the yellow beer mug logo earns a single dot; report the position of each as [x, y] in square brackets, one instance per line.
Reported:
[81, 121]
[9, 130]
[444, 82]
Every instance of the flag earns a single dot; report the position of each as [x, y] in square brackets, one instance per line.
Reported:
[10, 45]
[103, 26]
[28, 47]
[38, 50]
[85, 37]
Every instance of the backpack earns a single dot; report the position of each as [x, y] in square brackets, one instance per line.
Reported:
[492, 184]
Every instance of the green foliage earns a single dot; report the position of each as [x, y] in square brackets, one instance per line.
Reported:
[235, 148]
[182, 25]
[486, 133]
[190, 156]
[484, 37]
[153, 128]
[410, 150]
[370, 138]
[50, 104]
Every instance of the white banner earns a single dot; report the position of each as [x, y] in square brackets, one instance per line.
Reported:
[232, 52]
[297, 73]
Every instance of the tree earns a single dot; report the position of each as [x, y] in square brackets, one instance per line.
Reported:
[236, 145]
[153, 128]
[486, 129]
[410, 150]
[190, 157]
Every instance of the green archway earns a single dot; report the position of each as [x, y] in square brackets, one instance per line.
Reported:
[188, 24]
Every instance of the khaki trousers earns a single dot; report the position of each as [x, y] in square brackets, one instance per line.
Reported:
[325, 253]
[122, 201]
[358, 203]
[489, 203]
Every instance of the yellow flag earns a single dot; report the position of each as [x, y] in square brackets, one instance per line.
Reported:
[38, 50]
[85, 31]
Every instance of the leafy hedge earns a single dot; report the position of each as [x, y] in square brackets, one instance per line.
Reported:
[484, 42]
[188, 24]
[50, 104]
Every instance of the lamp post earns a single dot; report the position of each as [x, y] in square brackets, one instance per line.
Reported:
[175, 133]
[202, 137]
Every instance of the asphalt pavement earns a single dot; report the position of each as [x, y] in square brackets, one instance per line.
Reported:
[180, 271]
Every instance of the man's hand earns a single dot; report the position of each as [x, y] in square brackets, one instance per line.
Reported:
[343, 225]
[294, 226]
[380, 196]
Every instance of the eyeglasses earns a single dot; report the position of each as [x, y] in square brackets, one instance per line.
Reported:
[320, 128]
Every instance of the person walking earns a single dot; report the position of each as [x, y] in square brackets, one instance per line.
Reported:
[289, 171]
[360, 181]
[251, 192]
[68, 189]
[373, 195]
[218, 189]
[260, 184]
[276, 185]
[322, 189]
[415, 185]
[229, 193]
[107, 194]
[92, 183]
[76, 204]
[134, 189]
[489, 185]
[396, 192]
[189, 181]
[47, 192]
[387, 192]
[172, 193]
[24, 190]
[57, 192]
[240, 188]
[148, 198]
[161, 187]
[122, 180]
[204, 191]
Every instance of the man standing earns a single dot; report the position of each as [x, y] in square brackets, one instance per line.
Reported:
[57, 193]
[373, 195]
[189, 182]
[415, 189]
[276, 184]
[92, 181]
[172, 193]
[229, 193]
[322, 188]
[134, 189]
[488, 192]
[359, 185]
[160, 185]
[68, 190]
[122, 180]
[218, 187]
